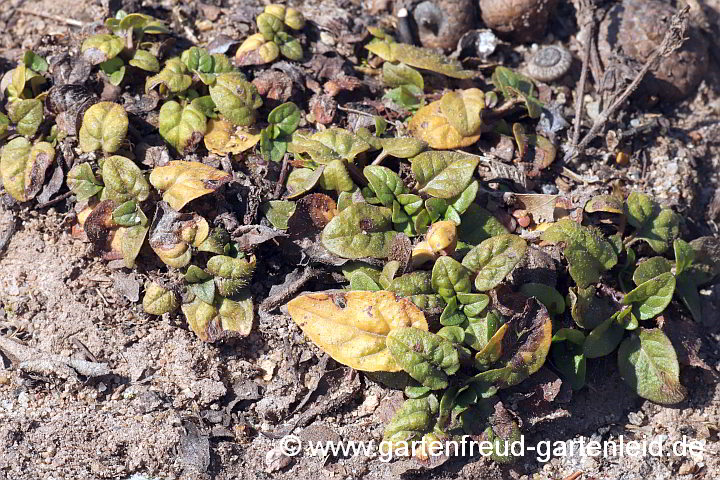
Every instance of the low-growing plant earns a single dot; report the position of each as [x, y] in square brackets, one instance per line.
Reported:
[441, 294]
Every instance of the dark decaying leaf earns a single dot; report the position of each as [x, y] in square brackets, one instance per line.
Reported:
[525, 347]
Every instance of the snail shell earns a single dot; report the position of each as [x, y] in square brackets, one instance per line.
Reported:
[550, 63]
[519, 20]
[441, 23]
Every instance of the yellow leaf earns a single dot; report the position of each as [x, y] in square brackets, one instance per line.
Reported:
[429, 124]
[223, 137]
[351, 326]
[185, 181]
[454, 121]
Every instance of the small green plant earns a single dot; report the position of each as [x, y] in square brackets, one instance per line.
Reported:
[272, 38]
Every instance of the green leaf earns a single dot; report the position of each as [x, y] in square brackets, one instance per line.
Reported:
[587, 252]
[443, 174]
[402, 147]
[385, 183]
[381, 125]
[104, 126]
[407, 96]
[4, 123]
[567, 355]
[101, 48]
[182, 127]
[450, 277]
[419, 58]
[285, 117]
[205, 105]
[494, 258]
[133, 238]
[399, 74]
[23, 167]
[547, 295]
[513, 84]
[195, 274]
[302, 180]
[173, 77]
[480, 331]
[158, 300]
[114, 69]
[477, 224]
[269, 25]
[361, 230]
[414, 283]
[684, 255]
[82, 181]
[650, 298]
[648, 363]
[360, 280]
[27, 115]
[231, 268]
[328, 145]
[657, 226]
[604, 338]
[236, 98]
[289, 47]
[35, 62]
[335, 176]
[126, 214]
[687, 290]
[650, 269]
[588, 308]
[216, 241]
[197, 59]
[278, 212]
[145, 60]
[426, 357]
[205, 290]
[123, 180]
[411, 421]
[273, 149]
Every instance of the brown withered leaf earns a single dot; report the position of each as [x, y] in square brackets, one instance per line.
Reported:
[323, 108]
[275, 85]
[172, 233]
[248, 237]
[100, 229]
[342, 83]
[312, 213]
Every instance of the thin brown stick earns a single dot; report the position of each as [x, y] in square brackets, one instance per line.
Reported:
[587, 11]
[673, 40]
[57, 18]
[284, 171]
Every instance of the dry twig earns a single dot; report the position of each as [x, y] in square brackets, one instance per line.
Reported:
[673, 40]
[31, 360]
[57, 18]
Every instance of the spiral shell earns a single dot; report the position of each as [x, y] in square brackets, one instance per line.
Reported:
[550, 63]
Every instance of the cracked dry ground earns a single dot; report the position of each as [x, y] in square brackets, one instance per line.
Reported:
[176, 407]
